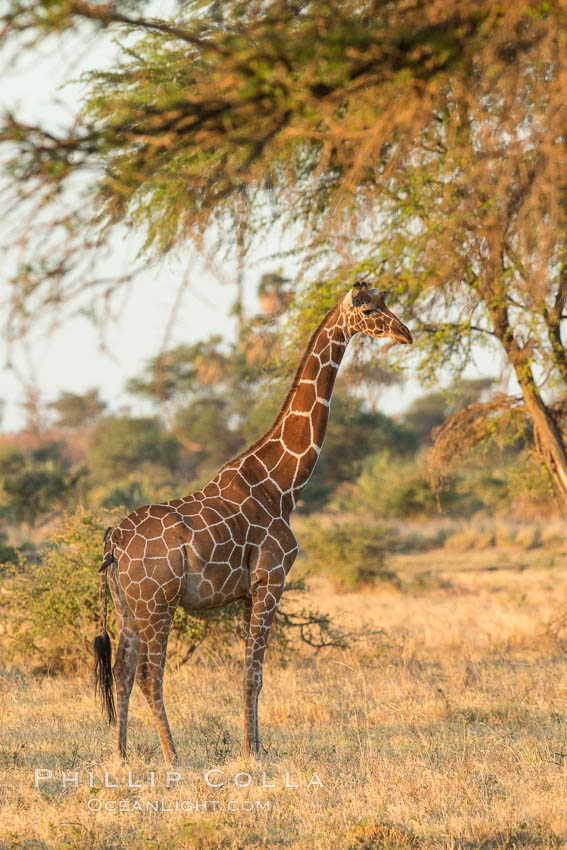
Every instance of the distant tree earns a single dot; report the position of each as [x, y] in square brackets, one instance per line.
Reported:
[11, 460]
[118, 446]
[32, 492]
[32, 488]
[207, 391]
[8, 554]
[429, 411]
[34, 408]
[178, 374]
[261, 415]
[206, 422]
[78, 410]
[130, 496]
[48, 454]
[353, 433]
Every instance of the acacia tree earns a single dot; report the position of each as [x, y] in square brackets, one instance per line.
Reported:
[421, 140]
[77, 410]
[221, 118]
[477, 245]
[469, 233]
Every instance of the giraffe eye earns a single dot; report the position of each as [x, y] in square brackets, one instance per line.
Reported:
[368, 312]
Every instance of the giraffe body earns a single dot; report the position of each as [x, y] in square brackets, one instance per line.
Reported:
[231, 540]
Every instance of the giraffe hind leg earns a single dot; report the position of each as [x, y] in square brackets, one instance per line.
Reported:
[126, 661]
[124, 671]
[149, 676]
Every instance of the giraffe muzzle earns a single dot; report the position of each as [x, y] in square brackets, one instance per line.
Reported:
[403, 335]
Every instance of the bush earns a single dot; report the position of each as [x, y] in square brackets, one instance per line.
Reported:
[129, 495]
[392, 487]
[50, 608]
[353, 434]
[8, 554]
[205, 423]
[11, 460]
[34, 487]
[118, 446]
[351, 554]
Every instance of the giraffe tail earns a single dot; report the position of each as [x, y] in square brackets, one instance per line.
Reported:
[101, 645]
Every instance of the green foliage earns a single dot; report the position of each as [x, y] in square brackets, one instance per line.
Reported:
[129, 496]
[32, 492]
[8, 554]
[392, 487]
[500, 482]
[205, 422]
[32, 488]
[351, 553]
[353, 434]
[11, 460]
[261, 416]
[430, 410]
[206, 115]
[182, 372]
[427, 412]
[121, 445]
[50, 606]
[78, 410]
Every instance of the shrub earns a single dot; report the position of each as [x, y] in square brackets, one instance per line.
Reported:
[392, 487]
[473, 538]
[353, 434]
[50, 608]
[118, 446]
[11, 460]
[8, 554]
[34, 487]
[528, 537]
[129, 495]
[351, 554]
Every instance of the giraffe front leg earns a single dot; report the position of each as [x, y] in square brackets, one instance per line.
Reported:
[261, 610]
[250, 711]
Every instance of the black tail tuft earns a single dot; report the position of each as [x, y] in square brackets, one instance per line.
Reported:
[103, 675]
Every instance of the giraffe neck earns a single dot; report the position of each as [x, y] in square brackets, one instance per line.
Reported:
[290, 448]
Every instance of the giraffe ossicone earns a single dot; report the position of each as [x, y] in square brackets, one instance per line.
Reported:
[232, 539]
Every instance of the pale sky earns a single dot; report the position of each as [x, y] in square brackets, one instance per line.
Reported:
[71, 358]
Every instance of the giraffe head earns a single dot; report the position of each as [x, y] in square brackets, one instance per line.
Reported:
[366, 313]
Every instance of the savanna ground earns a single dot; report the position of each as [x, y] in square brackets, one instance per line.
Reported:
[444, 729]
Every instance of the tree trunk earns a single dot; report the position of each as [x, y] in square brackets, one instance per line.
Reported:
[548, 437]
[552, 318]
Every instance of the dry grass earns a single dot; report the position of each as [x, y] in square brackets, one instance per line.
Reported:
[447, 731]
